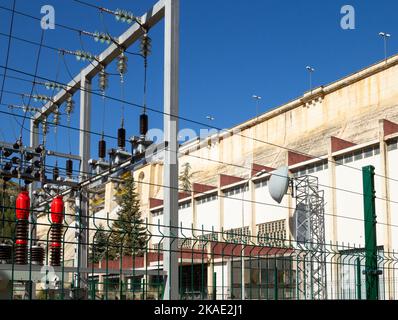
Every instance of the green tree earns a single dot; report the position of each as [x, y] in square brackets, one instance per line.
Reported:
[185, 177]
[129, 235]
[7, 212]
[98, 247]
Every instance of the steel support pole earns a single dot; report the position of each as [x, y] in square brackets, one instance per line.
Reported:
[34, 142]
[82, 212]
[171, 80]
[369, 195]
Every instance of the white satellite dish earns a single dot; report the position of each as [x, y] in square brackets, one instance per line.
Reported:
[278, 183]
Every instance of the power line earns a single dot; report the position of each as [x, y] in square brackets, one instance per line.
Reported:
[34, 79]
[8, 50]
[212, 127]
[228, 197]
[220, 162]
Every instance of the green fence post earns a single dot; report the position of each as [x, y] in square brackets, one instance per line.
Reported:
[276, 281]
[214, 286]
[359, 287]
[371, 272]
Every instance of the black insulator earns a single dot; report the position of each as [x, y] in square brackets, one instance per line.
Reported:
[15, 160]
[5, 253]
[69, 167]
[55, 173]
[102, 149]
[21, 245]
[37, 163]
[37, 255]
[16, 145]
[37, 174]
[56, 245]
[39, 149]
[143, 124]
[7, 153]
[28, 156]
[28, 170]
[121, 137]
[8, 166]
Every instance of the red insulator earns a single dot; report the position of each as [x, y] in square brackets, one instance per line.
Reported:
[57, 210]
[22, 206]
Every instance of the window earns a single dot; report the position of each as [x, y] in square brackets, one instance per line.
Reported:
[272, 233]
[157, 213]
[237, 235]
[261, 183]
[358, 155]
[348, 158]
[310, 169]
[368, 152]
[392, 145]
[319, 167]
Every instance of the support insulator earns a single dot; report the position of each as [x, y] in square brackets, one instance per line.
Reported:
[57, 215]
[56, 245]
[21, 242]
[145, 45]
[55, 173]
[122, 64]
[37, 255]
[102, 149]
[69, 168]
[143, 124]
[121, 137]
[5, 253]
[103, 80]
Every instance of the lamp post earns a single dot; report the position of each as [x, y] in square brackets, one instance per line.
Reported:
[243, 227]
[257, 98]
[310, 70]
[385, 37]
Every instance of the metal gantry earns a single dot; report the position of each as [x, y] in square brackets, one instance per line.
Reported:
[169, 11]
[310, 237]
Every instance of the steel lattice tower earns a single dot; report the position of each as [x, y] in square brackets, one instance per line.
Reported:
[310, 237]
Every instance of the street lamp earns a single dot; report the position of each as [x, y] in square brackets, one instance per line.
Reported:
[385, 36]
[310, 70]
[243, 227]
[257, 98]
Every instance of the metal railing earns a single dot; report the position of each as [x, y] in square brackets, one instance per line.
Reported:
[210, 267]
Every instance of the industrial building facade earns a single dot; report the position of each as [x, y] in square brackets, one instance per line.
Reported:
[330, 133]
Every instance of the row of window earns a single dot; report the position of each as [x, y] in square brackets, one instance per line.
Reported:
[236, 190]
[185, 205]
[207, 199]
[358, 155]
[311, 168]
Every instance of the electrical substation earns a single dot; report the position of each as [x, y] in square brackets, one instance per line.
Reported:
[253, 212]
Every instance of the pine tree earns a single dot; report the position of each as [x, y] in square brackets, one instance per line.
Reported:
[129, 234]
[185, 178]
[7, 212]
[98, 247]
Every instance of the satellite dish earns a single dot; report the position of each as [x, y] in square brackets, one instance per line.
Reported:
[279, 183]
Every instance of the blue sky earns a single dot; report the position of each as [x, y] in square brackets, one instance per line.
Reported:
[230, 50]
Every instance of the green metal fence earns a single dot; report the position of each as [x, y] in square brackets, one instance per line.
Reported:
[212, 265]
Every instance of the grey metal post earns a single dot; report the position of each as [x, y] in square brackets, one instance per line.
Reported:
[82, 213]
[34, 142]
[171, 79]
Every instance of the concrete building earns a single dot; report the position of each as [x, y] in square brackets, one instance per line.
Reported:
[329, 133]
